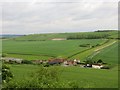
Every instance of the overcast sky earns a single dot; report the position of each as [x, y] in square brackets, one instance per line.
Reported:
[55, 16]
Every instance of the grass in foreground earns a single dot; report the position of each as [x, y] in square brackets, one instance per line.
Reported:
[87, 78]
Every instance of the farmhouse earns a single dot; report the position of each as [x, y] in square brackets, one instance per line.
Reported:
[77, 61]
[97, 66]
[37, 61]
[10, 60]
[55, 61]
[88, 65]
[69, 62]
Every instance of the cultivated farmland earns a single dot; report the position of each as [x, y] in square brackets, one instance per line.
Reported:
[100, 45]
[85, 78]
[47, 49]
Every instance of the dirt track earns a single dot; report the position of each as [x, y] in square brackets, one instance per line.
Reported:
[98, 50]
[105, 46]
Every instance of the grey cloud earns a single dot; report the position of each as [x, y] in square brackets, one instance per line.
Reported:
[58, 17]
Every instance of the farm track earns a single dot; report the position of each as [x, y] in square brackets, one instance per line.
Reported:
[99, 49]
[105, 46]
[92, 51]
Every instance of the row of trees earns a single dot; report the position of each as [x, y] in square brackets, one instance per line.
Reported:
[88, 36]
[105, 30]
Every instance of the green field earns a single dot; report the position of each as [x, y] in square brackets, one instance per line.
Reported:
[87, 78]
[109, 54]
[46, 49]
[41, 47]
[90, 52]
[43, 37]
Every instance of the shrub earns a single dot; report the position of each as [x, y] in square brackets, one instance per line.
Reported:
[4, 54]
[84, 45]
[6, 74]
[26, 62]
[105, 67]
[43, 78]
[73, 84]
[97, 44]
[89, 61]
[46, 65]
[12, 62]
[99, 61]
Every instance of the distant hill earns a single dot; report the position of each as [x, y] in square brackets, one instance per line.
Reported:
[6, 36]
[113, 34]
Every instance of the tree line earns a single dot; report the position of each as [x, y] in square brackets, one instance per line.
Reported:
[88, 36]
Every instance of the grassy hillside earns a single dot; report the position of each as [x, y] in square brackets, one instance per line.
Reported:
[47, 49]
[109, 54]
[70, 49]
[80, 35]
[101, 48]
[40, 46]
[87, 78]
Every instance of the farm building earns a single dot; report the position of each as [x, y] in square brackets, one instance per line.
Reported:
[55, 61]
[77, 61]
[10, 60]
[97, 66]
[37, 61]
[70, 62]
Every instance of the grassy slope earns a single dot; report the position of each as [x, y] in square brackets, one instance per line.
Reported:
[85, 77]
[87, 53]
[112, 34]
[30, 57]
[93, 78]
[109, 54]
[47, 48]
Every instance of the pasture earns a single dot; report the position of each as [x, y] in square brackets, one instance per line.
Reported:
[85, 78]
[90, 52]
[46, 49]
[78, 35]
[109, 54]
[41, 47]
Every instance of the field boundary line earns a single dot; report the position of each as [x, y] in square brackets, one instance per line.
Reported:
[99, 50]
[91, 50]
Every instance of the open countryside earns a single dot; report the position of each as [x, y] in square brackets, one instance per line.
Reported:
[85, 59]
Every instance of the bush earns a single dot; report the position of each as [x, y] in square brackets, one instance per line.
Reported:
[46, 65]
[89, 61]
[99, 61]
[97, 44]
[6, 74]
[12, 62]
[73, 84]
[4, 54]
[26, 62]
[105, 67]
[84, 45]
